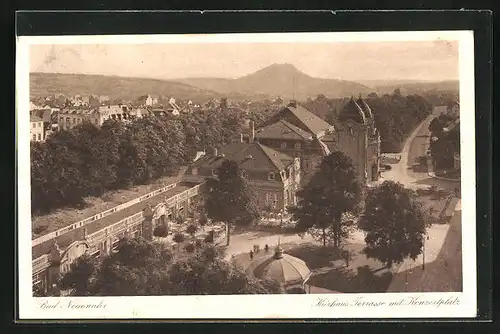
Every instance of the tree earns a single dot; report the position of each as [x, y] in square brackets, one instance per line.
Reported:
[394, 223]
[207, 273]
[324, 204]
[81, 276]
[179, 238]
[138, 268]
[142, 268]
[230, 198]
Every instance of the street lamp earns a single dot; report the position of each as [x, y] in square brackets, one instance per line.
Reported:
[423, 254]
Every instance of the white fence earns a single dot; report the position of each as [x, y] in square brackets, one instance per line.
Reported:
[100, 215]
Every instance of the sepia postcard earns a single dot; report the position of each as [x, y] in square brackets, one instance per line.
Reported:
[246, 176]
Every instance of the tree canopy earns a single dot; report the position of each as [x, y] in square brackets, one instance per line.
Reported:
[394, 223]
[230, 199]
[89, 160]
[324, 204]
[142, 268]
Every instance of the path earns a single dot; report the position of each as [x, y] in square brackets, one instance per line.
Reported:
[409, 273]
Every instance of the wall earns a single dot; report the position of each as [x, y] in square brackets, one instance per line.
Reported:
[37, 131]
[354, 145]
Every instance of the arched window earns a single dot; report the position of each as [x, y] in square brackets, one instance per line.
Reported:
[271, 176]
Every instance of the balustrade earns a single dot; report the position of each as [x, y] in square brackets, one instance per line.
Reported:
[100, 215]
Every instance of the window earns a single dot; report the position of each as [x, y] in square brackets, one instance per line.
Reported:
[67, 120]
[297, 145]
[34, 137]
[271, 176]
[34, 125]
[39, 137]
[61, 119]
[272, 199]
[283, 145]
[194, 171]
[74, 120]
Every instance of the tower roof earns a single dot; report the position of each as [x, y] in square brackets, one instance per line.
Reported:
[280, 267]
[352, 111]
[366, 108]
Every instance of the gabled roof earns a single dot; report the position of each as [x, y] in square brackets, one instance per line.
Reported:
[311, 122]
[352, 111]
[78, 111]
[282, 130]
[34, 118]
[452, 126]
[254, 156]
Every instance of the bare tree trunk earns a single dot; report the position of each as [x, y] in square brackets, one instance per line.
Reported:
[228, 234]
[324, 237]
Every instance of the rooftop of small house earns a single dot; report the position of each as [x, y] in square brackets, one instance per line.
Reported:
[250, 156]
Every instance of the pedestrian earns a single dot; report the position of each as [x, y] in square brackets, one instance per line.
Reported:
[266, 248]
[251, 255]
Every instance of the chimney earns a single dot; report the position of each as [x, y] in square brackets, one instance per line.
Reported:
[215, 151]
[293, 104]
[241, 138]
[251, 137]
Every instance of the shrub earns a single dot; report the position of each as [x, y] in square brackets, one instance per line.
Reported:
[160, 231]
[198, 243]
[179, 237]
[191, 229]
[189, 248]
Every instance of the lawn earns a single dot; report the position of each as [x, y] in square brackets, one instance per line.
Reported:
[434, 199]
[450, 174]
[344, 280]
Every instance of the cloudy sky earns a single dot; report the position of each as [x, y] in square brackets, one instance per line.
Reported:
[437, 60]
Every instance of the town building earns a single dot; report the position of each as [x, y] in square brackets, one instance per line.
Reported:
[299, 133]
[71, 117]
[445, 138]
[148, 100]
[172, 107]
[273, 175]
[357, 136]
[37, 133]
[104, 99]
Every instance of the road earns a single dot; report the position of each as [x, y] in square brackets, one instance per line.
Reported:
[410, 275]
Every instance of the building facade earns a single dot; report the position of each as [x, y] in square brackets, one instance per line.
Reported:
[37, 133]
[70, 117]
[273, 175]
[358, 137]
[299, 133]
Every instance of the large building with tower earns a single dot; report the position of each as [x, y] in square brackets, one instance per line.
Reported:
[299, 133]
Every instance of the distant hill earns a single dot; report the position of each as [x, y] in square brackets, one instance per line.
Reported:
[421, 87]
[282, 80]
[43, 84]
